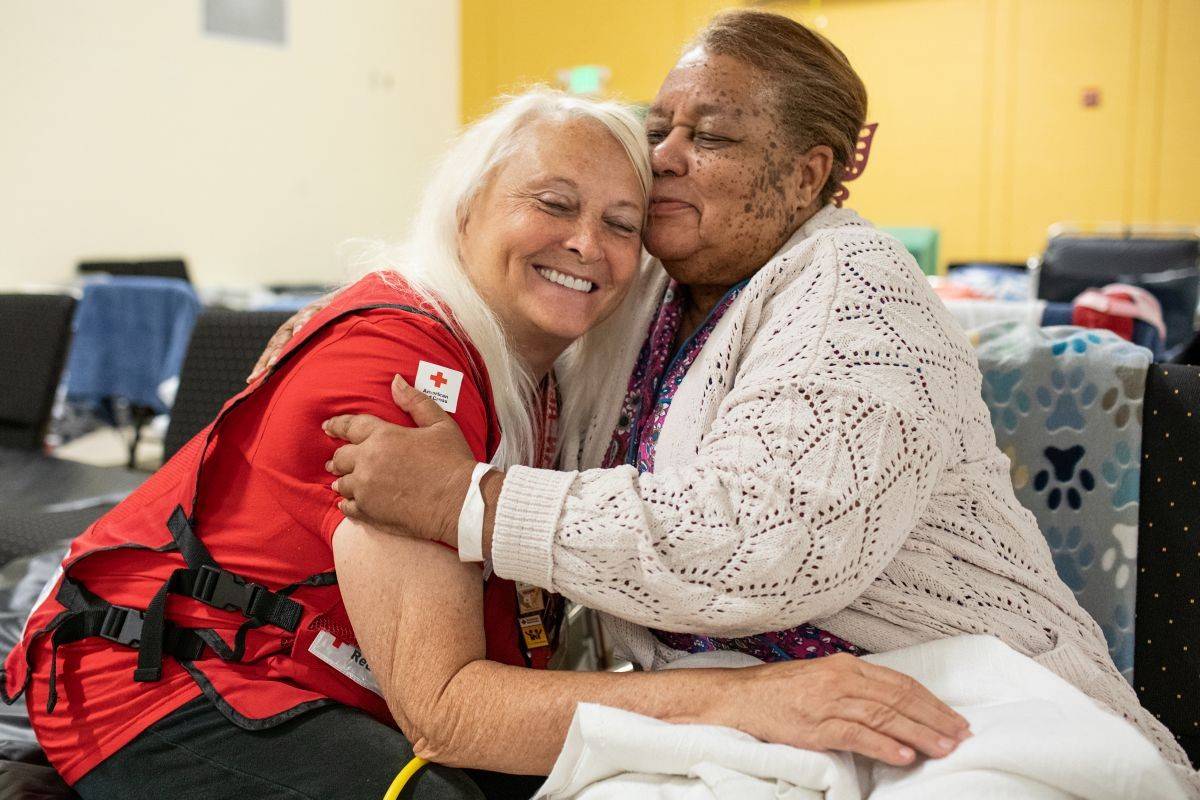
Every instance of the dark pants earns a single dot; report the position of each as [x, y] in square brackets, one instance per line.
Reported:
[195, 753]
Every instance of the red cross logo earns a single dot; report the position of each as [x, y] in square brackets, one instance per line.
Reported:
[439, 380]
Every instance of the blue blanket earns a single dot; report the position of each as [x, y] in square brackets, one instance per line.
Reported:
[131, 334]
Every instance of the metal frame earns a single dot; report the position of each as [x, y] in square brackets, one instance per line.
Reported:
[1119, 230]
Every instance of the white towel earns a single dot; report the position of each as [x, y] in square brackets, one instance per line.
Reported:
[1036, 736]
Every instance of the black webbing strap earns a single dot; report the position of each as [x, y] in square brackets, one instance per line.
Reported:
[320, 579]
[88, 615]
[205, 581]
[150, 649]
[190, 547]
[74, 596]
[125, 626]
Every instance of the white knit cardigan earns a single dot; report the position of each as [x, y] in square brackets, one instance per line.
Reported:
[827, 459]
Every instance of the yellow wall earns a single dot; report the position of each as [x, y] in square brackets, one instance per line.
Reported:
[507, 44]
[983, 133]
[930, 158]
[1175, 192]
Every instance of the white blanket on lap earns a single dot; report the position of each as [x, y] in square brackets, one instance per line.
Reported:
[1036, 736]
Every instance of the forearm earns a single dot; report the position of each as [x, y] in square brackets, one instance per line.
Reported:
[416, 612]
[510, 719]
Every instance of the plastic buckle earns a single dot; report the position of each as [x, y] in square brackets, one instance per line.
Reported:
[122, 625]
[221, 589]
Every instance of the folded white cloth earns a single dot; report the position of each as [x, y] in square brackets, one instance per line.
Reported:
[973, 314]
[1035, 736]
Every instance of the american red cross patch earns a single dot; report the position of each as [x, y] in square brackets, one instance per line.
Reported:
[440, 383]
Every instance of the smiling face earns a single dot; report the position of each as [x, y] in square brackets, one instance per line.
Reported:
[730, 186]
[552, 242]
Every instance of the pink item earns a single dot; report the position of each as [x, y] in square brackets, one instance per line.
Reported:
[949, 290]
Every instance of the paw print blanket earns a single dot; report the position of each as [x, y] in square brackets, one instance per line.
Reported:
[1066, 405]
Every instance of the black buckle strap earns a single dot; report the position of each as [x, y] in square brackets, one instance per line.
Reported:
[122, 625]
[206, 582]
[221, 589]
[226, 590]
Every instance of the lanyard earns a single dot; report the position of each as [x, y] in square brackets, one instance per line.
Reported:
[539, 612]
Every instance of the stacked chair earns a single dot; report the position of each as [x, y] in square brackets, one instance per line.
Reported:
[225, 344]
[131, 336]
[44, 500]
[1103, 451]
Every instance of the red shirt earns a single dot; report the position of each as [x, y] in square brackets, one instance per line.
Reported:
[265, 511]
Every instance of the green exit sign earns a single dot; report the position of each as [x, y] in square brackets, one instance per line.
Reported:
[586, 79]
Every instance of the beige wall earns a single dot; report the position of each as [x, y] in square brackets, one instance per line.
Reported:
[127, 131]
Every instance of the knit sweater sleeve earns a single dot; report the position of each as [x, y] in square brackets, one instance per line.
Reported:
[800, 494]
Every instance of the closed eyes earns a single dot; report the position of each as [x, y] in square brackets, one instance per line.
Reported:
[701, 138]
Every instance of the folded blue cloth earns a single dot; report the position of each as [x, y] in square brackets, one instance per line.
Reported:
[1144, 334]
[131, 334]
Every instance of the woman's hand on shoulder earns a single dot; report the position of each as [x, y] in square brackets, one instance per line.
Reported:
[290, 327]
[843, 703]
[404, 480]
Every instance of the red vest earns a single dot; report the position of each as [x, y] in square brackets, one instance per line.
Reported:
[255, 655]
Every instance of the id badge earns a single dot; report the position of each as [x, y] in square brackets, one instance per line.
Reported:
[533, 631]
[529, 598]
[345, 658]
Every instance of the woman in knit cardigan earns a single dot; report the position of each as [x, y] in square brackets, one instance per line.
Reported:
[801, 463]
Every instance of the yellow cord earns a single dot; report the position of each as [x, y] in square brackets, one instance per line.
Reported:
[404, 777]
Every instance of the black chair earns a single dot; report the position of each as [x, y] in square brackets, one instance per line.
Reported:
[1166, 266]
[159, 268]
[1166, 667]
[34, 332]
[225, 344]
[42, 499]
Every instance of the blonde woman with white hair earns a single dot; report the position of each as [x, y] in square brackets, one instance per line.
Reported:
[199, 643]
